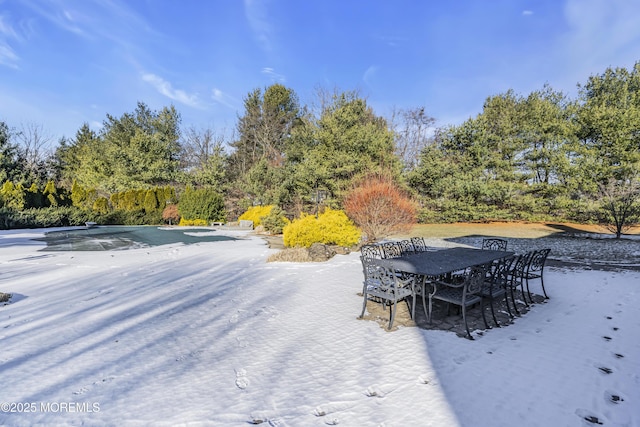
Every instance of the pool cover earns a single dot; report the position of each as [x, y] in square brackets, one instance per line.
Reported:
[107, 238]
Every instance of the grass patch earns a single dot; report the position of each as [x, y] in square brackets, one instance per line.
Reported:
[290, 255]
[4, 297]
[523, 230]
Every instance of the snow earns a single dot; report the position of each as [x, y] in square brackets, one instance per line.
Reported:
[210, 334]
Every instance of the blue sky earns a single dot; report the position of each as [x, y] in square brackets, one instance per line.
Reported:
[66, 62]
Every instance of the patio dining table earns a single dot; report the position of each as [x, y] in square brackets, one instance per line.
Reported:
[436, 267]
[445, 261]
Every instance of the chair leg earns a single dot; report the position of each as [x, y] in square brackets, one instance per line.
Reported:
[392, 314]
[529, 292]
[493, 314]
[466, 326]
[515, 305]
[364, 304]
[524, 296]
[506, 300]
[542, 284]
[424, 306]
[413, 306]
[484, 318]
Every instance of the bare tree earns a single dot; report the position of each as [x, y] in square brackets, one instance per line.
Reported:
[620, 207]
[35, 147]
[414, 130]
[203, 156]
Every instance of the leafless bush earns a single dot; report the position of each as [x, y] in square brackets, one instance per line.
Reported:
[291, 255]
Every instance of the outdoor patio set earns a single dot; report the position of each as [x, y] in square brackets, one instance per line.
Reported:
[465, 277]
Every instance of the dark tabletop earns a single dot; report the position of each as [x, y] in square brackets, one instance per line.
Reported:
[437, 263]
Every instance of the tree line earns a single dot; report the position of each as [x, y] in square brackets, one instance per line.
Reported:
[535, 157]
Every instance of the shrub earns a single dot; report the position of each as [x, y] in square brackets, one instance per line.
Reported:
[150, 201]
[101, 205]
[275, 222]
[54, 216]
[256, 213]
[193, 222]
[170, 214]
[204, 203]
[290, 255]
[332, 227]
[379, 207]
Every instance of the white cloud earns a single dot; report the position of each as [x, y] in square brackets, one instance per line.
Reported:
[6, 29]
[275, 77]
[602, 34]
[8, 56]
[256, 13]
[166, 89]
[369, 75]
[527, 12]
[222, 98]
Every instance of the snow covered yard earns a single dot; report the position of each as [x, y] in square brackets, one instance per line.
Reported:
[209, 334]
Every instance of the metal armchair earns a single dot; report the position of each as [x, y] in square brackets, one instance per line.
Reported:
[464, 294]
[383, 285]
[535, 270]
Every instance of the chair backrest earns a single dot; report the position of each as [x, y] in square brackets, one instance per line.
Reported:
[371, 251]
[369, 266]
[406, 247]
[499, 274]
[474, 279]
[382, 279]
[519, 268]
[494, 244]
[537, 260]
[418, 244]
[390, 250]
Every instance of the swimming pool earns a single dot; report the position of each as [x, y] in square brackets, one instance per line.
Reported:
[119, 237]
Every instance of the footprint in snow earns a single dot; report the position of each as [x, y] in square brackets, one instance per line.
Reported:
[374, 391]
[242, 381]
[83, 390]
[588, 417]
[425, 379]
[605, 370]
[235, 317]
[613, 397]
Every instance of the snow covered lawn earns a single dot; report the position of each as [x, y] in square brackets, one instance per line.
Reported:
[209, 334]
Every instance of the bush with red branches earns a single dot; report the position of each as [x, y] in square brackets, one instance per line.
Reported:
[380, 207]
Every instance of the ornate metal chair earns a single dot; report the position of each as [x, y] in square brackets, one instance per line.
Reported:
[371, 251]
[535, 270]
[495, 285]
[494, 244]
[390, 250]
[383, 285]
[516, 278]
[462, 294]
[418, 244]
[406, 247]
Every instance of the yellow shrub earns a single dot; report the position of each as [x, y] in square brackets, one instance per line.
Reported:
[256, 214]
[338, 229]
[332, 227]
[303, 231]
[191, 222]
